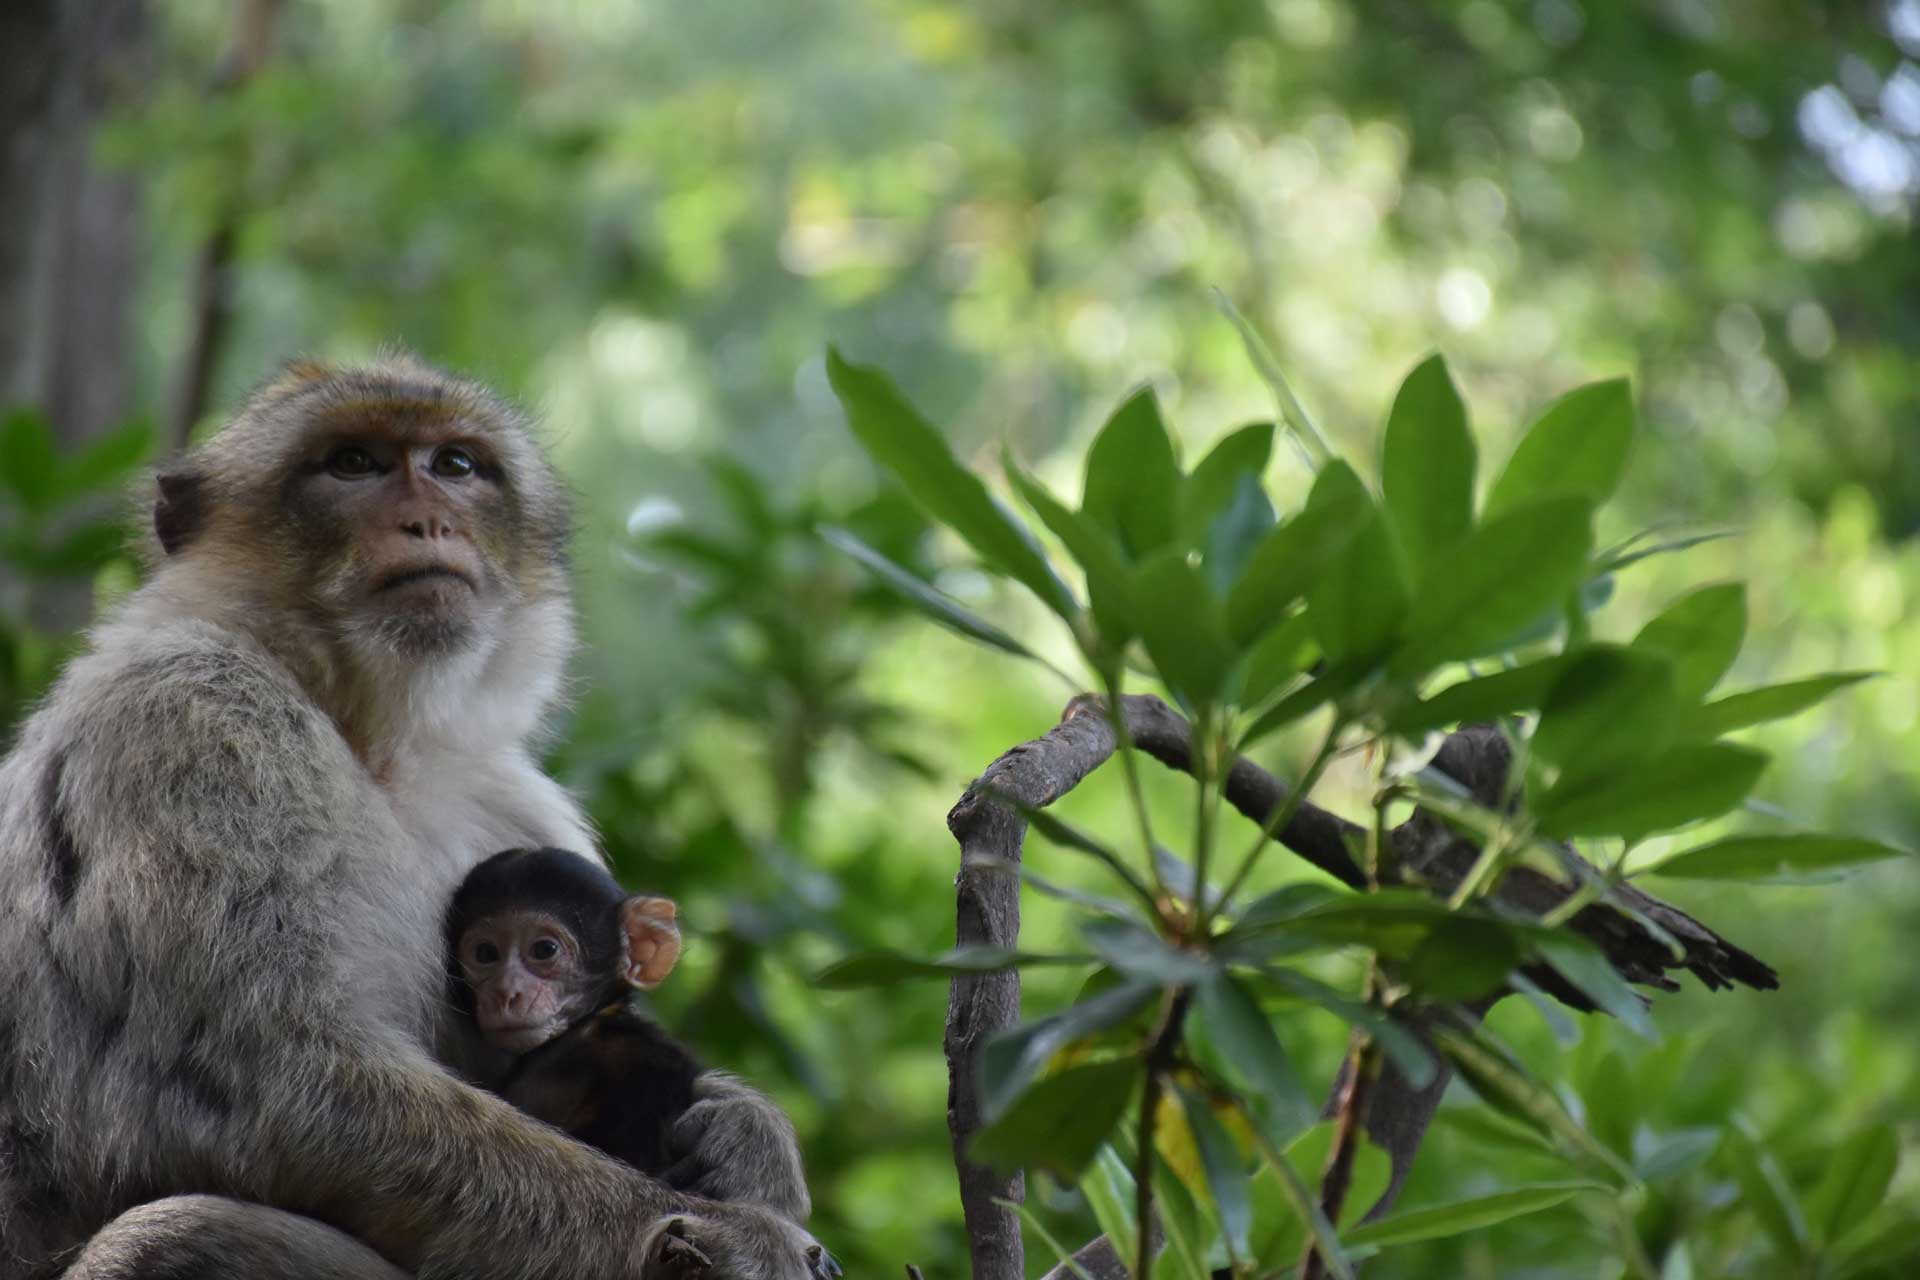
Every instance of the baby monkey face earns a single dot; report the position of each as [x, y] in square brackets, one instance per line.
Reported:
[529, 978]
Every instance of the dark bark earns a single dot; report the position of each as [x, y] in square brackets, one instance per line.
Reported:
[68, 226]
[1427, 852]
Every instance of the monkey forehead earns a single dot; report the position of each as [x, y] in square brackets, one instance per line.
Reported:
[398, 396]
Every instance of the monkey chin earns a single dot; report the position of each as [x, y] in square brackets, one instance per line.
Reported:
[522, 1038]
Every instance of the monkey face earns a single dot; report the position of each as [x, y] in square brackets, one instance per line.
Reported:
[529, 979]
[404, 523]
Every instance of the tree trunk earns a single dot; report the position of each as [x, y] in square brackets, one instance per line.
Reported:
[68, 227]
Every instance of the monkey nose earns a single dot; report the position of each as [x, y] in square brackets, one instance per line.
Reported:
[428, 526]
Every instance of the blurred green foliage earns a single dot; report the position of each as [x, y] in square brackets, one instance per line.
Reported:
[648, 220]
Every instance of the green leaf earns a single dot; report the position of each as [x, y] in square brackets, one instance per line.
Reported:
[1700, 633]
[1771, 702]
[1427, 465]
[1403, 1048]
[81, 551]
[1060, 1123]
[1234, 1024]
[1520, 688]
[1463, 1216]
[104, 463]
[1610, 708]
[1039, 1228]
[1109, 1188]
[1766, 1191]
[1133, 482]
[1890, 1241]
[1241, 455]
[1781, 859]
[1856, 1181]
[1490, 586]
[1226, 1170]
[1685, 783]
[1336, 681]
[1233, 536]
[1012, 1058]
[1290, 558]
[930, 600]
[1182, 627]
[908, 446]
[28, 465]
[1277, 659]
[1372, 1168]
[1586, 967]
[885, 968]
[1140, 953]
[1576, 448]
[1357, 602]
[1506, 1086]
[1463, 958]
[1109, 586]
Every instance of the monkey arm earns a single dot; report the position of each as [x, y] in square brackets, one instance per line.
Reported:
[736, 1145]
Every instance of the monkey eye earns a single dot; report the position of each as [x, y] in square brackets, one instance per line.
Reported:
[454, 463]
[486, 953]
[350, 462]
[544, 949]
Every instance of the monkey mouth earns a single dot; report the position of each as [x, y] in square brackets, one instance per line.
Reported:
[424, 573]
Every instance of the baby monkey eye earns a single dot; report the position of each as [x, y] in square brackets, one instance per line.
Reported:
[486, 953]
[454, 462]
[544, 949]
[350, 461]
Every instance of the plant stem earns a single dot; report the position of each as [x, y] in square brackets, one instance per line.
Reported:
[1337, 1179]
[1130, 769]
[1282, 813]
[1204, 760]
[1160, 1057]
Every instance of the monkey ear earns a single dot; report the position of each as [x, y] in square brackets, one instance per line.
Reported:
[651, 941]
[179, 509]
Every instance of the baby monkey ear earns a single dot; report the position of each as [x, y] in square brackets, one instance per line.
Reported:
[652, 941]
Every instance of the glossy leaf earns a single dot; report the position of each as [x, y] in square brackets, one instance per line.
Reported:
[1239, 455]
[1586, 967]
[1462, 1216]
[1290, 558]
[930, 600]
[1109, 1188]
[1140, 953]
[1357, 604]
[1226, 1170]
[1463, 958]
[1281, 655]
[1334, 682]
[897, 437]
[1521, 688]
[1060, 1123]
[1700, 633]
[888, 968]
[1685, 783]
[1181, 624]
[1133, 482]
[1109, 578]
[1610, 708]
[1500, 578]
[1427, 465]
[1858, 1174]
[1236, 1026]
[1504, 1084]
[1011, 1059]
[1775, 859]
[1772, 702]
[1232, 537]
[1403, 1048]
[1766, 1192]
[1576, 448]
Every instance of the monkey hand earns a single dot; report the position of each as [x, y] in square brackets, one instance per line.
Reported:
[733, 1242]
[734, 1144]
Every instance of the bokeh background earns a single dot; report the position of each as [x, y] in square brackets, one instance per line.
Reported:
[647, 219]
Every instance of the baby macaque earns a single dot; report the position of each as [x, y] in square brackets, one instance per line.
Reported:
[547, 951]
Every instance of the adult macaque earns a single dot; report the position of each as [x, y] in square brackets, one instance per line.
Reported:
[227, 839]
[545, 952]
